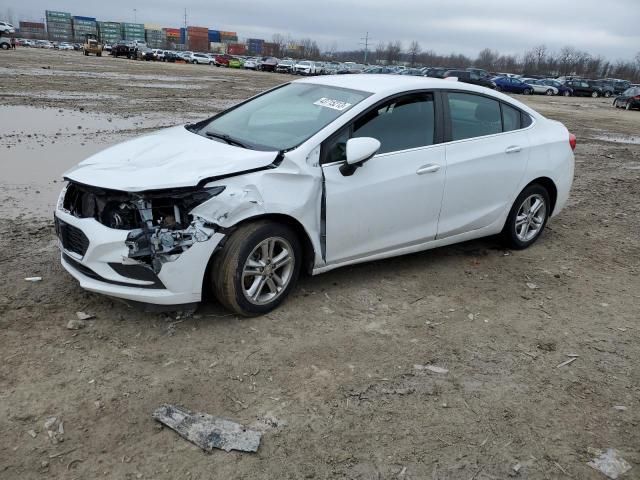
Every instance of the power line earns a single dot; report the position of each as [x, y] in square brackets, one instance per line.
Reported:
[366, 41]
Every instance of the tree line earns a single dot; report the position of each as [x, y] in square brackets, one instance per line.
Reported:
[539, 60]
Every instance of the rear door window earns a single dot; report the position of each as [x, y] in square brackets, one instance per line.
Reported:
[473, 116]
[510, 118]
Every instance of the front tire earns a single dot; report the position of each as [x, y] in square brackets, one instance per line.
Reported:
[528, 91]
[257, 268]
[595, 94]
[567, 93]
[549, 92]
[607, 94]
[527, 218]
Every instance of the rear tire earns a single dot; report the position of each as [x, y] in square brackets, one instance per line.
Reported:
[567, 93]
[247, 277]
[527, 218]
[595, 94]
[628, 107]
[607, 94]
[549, 92]
[527, 91]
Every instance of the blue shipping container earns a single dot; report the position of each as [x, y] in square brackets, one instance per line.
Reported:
[214, 36]
[183, 35]
[88, 19]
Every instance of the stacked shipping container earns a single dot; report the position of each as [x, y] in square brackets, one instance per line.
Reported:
[214, 36]
[172, 36]
[33, 30]
[198, 39]
[132, 31]
[154, 36]
[254, 46]
[83, 26]
[59, 28]
[228, 37]
[236, 48]
[270, 49]
[109, 32]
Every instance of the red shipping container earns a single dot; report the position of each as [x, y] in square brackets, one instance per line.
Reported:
[236, 49]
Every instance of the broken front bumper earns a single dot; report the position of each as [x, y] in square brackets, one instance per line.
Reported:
[98, 258]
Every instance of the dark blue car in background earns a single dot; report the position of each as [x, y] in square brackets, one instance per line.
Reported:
[512, 85]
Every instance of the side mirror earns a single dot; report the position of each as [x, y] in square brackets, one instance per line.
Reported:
[359, 150]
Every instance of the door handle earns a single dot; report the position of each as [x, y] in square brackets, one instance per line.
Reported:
[429, 168]
[513, 149]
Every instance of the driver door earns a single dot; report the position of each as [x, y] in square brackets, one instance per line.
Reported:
[393, 200]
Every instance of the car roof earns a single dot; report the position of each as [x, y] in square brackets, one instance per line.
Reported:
[391, 84]
[387, 84]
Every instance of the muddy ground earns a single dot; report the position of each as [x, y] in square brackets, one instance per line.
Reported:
[330, 375]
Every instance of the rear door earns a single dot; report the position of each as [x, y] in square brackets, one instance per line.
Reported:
[393, 200]
[487, 155]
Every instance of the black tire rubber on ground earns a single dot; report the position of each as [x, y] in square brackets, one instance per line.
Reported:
[509, 230]
[226, 270]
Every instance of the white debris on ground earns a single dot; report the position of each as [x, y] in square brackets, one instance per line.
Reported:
[609, 462]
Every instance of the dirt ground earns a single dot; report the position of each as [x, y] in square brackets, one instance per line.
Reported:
[330, 376]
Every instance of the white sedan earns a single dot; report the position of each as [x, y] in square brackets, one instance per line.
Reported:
[540, 87]
[310, 176]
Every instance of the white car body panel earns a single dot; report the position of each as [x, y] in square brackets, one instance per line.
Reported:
[169, 158]
[360, 229]
[391, 211]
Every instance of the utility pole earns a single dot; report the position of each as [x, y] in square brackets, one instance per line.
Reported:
[185, 18]
[365, 42]
[135, 15]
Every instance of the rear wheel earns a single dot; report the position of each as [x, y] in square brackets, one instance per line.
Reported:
[549, 92]
[257, 268]
[607, 94]
[628, 106]
[567, 93]
[527, 91]
[595, 94]
[527, 218]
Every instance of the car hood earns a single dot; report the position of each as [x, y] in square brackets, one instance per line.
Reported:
[169, 158]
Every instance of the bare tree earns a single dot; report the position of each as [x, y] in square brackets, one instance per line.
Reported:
[394, 52]
[380, 52]
[414, 51]
[487, 59]
[281, 44]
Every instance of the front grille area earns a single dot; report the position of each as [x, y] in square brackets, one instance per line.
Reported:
[72, 238]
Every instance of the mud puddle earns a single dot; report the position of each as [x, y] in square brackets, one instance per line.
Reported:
[39, 144]
[615, 138]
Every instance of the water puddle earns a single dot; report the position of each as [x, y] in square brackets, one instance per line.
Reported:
[38, 145]
[615, 138]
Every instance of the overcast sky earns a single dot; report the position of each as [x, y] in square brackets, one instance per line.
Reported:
[609, 28]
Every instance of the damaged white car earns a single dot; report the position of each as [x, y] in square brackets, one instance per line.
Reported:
[309, 176]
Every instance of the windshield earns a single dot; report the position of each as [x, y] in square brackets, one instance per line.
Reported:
[282, 118]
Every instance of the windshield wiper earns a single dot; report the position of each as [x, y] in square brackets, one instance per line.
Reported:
[230, 140]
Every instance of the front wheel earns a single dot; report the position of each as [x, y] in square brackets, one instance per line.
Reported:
[257, 268]
[527, 218]
[607, 94]
[528, 91]
[549, 92]
[594, 94]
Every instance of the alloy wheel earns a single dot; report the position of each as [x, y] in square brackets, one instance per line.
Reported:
[530, 218]
[268, 270]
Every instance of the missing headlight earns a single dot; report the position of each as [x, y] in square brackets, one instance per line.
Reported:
[159, 222]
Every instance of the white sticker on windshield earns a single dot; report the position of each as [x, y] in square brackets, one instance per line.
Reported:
[334, 104]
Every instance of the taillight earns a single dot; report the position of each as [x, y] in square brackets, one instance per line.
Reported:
[637, 97]
[572, 141]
